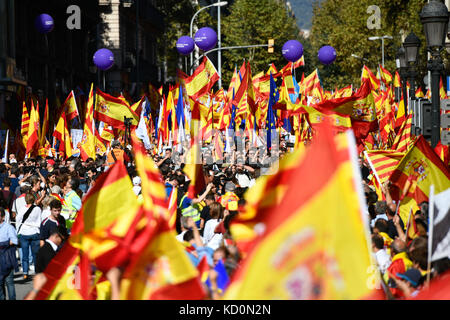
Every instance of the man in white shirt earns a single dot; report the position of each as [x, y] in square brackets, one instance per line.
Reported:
[382, 257]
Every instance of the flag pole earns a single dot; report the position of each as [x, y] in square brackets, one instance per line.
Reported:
[430, 234]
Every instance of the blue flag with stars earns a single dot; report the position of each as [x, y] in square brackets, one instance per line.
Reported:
[270, 120]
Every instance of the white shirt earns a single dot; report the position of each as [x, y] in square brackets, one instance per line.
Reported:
[18, 204]
[211, 239]
[54, 246]
[243, 180]
[32, 224]
[380, 216]
[383, 260]
[46, 213]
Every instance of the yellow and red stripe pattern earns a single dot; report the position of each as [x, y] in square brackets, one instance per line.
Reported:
[203, 79]
[384, 162]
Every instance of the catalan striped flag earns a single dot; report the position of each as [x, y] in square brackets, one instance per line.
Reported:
[173, 207]
[403, 140]
[384, 162]
[25, 124]
[153, 190]
[298, 252]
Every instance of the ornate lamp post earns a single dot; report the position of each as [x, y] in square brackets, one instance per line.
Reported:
[434, 17]
[412, 45]
[403, 68]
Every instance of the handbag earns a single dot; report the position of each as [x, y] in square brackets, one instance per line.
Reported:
[25, 217]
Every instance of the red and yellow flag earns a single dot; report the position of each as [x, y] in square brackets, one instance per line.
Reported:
[70, 107]
[384, 162]
[417, 171]
[25, 124]
[203, 79]
[88, 143]
[368, 74]
[33, 131]
[113, 110]
[386, 76]
[107, 222]
[161, 270]
[62, 134]
[403, 140]
[299, 252]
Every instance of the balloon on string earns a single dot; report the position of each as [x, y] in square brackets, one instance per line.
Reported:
[185, 45]
[104, 59]
[327, 55]
[44, 23]
[206, 38]
[292, 50]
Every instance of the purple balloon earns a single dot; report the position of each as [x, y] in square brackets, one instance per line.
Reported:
[292, 50]
[206, 38]
[104, 59]
[185, 45]
[44, 23]
[327, 55]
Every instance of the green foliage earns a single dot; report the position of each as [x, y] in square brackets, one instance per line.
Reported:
[343, 25]
[178, 15]
[255, 22]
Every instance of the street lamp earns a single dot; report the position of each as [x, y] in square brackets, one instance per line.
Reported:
[217, 4]
[434, 17]
[360, 58]
[412, 45]
[403, 67]
[382, 45]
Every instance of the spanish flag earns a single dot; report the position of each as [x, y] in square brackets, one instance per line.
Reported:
[312, 242]
[106, 224]
[386, 76]
[368, 74]
[33, 131]
[417, 171]
[113, 110]
[70, 107]
[161, 270]
[203, 79]
[62, 134]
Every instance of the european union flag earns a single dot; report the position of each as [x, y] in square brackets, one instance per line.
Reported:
[180, 109]
[270, 120]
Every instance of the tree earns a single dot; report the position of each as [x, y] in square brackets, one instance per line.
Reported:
[343, 25]
[178, 15]
[255, 22]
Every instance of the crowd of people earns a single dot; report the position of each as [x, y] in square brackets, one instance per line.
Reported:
[40, 199]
